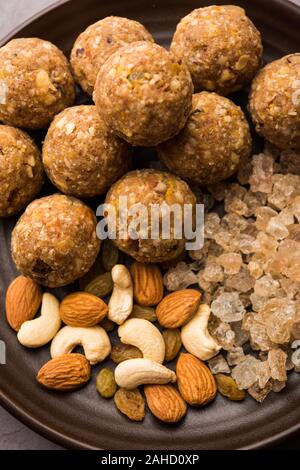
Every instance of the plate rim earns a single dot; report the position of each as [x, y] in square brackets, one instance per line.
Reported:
[17, 410]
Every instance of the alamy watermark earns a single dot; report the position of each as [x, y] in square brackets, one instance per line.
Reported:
[2, 352]
[156, 222]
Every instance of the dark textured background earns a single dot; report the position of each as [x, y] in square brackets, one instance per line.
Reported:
[13, 434]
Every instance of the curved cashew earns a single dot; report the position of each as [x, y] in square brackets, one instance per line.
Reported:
[38, 332]
[94, 340]
[196, 338]
[134, 372]
[121, 301]
[145, 336]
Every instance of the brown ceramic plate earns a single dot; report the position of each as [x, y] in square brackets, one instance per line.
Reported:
[82, 419]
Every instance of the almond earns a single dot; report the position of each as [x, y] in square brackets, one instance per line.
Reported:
[165, 403]
[148, 286]
[65, 372]
[195, 381]
[23, 299]
[177, 308]
[82, 309]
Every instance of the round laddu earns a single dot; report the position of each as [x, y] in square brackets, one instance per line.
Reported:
[214, 142]
[98, 42]
[143, 94]
[55, 241]
[221, 47]
[148, 187]
[274, 102]
[81, 156]
[35, 83]
[21, 170]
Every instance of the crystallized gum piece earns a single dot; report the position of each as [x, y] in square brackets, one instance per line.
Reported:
[266, 246]
[255, 269]
[226, 240]
[241, 335]
[198, 255]
[218, 365]
[261, 178]
[253, 201]
[211, 225]
[290, 288]
[223, 334]
[260, 394]
[235, 356]
[234, 223]
[231, 262]
[206, 286]
[244, 172]
[242, 282]
[279, 314]
[277, 229]
[267, 287]
[277, 363]
[213, 272]
[289, 258]
[180, 277]
[246, 373]
[285, 187]
[286, 216]
[228, 307]
[259, 338]
[263, 216]
[247, 244]
[257, 302]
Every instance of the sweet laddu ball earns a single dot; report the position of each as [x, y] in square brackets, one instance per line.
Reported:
[98, 42]
[55, 241]
[81, 156]
[221, 47]
[143, 94]
[21, 170]
[274, 102]
[35, 83]
[148, 187]
[214, 142]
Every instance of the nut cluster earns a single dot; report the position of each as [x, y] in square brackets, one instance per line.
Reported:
[142, 349]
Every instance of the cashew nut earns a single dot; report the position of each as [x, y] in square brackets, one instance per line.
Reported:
[134, 372]
[121, 301]
[196, 338]
[38, 332]
[94, 340]
[145, 336]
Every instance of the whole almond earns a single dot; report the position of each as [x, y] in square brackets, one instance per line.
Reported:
[148, 286]
[165, 402]
[23, 299]
[177, 308]
[195, 381]
[82, 309]
[66, 372]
